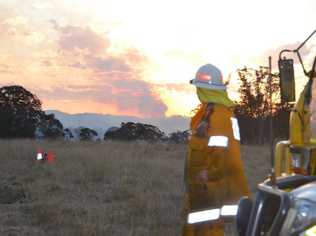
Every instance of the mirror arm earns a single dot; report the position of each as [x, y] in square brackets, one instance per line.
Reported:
[312, 72]
[298, 53]
[301, 61]
[283, 51]
[302, 44]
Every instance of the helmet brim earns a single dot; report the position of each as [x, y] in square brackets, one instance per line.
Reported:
[207, 85]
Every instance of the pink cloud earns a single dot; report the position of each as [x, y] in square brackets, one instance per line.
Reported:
[86, 49]
[111, 81]
[106, 64]
[78, 38]
[126, 95]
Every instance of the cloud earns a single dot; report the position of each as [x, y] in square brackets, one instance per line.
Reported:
[108, 79]
[78, 66]
[135, 56]
[134, 97]
[80, 38]
[116, 79]
[87, 49]
[106, 64]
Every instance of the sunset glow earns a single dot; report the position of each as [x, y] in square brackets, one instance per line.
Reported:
[137, 57]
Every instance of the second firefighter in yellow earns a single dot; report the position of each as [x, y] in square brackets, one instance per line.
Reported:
[214, 172]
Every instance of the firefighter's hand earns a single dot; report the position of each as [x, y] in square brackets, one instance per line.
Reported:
[202, 176]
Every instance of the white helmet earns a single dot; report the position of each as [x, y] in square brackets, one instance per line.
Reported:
[209, 77]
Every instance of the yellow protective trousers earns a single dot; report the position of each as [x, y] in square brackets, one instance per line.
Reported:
[214, 172]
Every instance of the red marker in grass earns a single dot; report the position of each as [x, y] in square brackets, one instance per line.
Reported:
[50, 157]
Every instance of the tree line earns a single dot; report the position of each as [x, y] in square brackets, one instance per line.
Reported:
[21, 114]
[259, 104]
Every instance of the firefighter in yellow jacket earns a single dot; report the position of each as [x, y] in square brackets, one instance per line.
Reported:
[213, 173]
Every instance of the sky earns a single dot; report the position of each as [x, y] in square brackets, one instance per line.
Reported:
[137, 57]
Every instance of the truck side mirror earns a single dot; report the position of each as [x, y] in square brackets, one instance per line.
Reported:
[243, 215]
[287, 82]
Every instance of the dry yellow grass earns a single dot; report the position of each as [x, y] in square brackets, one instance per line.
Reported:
[105, 188]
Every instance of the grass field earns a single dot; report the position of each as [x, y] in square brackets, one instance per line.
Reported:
[105, 188]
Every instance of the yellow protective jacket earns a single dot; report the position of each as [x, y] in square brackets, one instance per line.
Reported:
[226, 180]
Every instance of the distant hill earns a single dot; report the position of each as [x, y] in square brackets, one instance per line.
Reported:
[101, 123]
